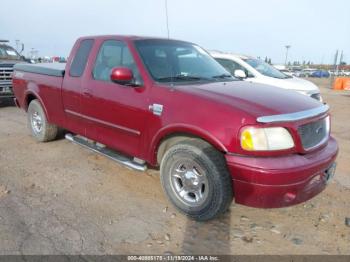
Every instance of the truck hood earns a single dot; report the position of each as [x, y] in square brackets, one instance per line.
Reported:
[293, 83]
[255, 99]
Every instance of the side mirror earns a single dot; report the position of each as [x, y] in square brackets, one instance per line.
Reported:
[122, 75]
[238, 73]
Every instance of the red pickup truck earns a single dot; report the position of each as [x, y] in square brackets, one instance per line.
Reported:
[168, 103]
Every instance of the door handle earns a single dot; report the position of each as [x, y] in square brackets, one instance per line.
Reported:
[87, 93]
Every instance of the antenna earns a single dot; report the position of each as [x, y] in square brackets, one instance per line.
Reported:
[17, 44]
[166, 17]
[335, 67]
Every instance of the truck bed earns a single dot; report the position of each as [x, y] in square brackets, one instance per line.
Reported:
[50, 69]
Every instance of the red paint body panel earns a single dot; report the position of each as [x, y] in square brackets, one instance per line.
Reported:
[47, 89]
[119, 116]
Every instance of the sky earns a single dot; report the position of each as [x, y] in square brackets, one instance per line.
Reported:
[315, 29]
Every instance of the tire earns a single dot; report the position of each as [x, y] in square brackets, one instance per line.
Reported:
[41, 129]
[196, 180]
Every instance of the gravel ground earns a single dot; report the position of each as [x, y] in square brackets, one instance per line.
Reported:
[59, 198]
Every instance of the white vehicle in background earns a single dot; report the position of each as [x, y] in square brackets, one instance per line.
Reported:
[345, 73]
[307, 72]
[284, 69]
[255, 70]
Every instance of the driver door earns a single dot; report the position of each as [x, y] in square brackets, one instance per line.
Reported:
[115, 114]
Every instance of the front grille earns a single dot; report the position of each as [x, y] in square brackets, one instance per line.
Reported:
[6, 90]
[316, 96]
[314, 133]
[6, 73]
[6, 80]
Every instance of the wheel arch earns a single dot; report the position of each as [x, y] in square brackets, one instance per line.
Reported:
[29, 98]
[31, 95]
[171, 135]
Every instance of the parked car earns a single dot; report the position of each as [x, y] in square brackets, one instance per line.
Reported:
[285, 70]
[297, 73]
[255, 70]
[8, 58]
[168, 103]
[320, 74]
[339, 73]
[307, 72]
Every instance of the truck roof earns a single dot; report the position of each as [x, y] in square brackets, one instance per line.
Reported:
[217, 53]
[129, 37]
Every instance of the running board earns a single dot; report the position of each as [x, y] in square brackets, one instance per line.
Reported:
[103, 150]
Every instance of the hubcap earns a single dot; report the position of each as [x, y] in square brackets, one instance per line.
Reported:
[189, 182]
[37, 123]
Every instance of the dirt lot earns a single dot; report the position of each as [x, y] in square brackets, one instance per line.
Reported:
[60, 198]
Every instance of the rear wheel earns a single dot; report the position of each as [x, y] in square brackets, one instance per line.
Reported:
[41, 129]
[195, 178]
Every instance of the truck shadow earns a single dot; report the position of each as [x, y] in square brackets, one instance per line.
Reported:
[5, 102]
[211, 237]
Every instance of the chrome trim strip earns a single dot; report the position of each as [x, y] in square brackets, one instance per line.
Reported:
[129, 130]
[294, 116]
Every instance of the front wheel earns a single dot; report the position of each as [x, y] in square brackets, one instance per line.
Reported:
[41, 129]
[195, 178]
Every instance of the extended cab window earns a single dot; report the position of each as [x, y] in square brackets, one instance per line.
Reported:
[231, 66]
[79, 62]
[113, 54]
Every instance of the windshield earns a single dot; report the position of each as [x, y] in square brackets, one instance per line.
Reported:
[176, 61]
[7, 52]
[265, 69]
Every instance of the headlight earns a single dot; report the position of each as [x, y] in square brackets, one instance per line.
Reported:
[266, 139]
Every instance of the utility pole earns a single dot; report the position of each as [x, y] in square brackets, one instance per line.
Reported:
[166, 17]
[335, 67]
[17, 45]
[341, 58]
[287, 49]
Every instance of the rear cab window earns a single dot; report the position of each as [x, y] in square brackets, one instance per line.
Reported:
[81, 57]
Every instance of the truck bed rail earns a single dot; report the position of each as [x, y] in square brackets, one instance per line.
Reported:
[50, 69]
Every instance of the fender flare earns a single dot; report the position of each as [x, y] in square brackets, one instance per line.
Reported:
[182, 129]
[31, 91]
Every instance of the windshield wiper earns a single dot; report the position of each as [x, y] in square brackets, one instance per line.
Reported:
[181, 78]
[222, 76]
